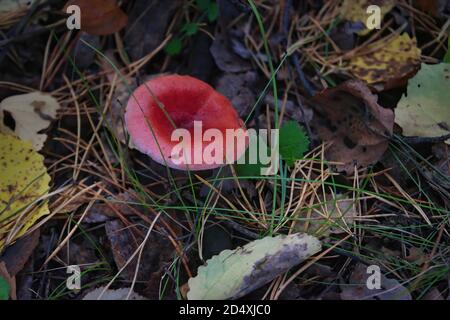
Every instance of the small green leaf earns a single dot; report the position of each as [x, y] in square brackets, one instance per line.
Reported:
[248, 169]
[203, 4]
[190, 29]
[293, 142]
[213, 12]
[174, 47]
[4, 289]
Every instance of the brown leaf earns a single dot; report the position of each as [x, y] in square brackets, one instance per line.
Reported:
[100, 17]
[349, 117]
[16, 256]
[126, 240]
[357, 289]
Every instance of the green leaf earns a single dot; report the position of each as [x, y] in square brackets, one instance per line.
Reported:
[293, 142]
[213, 12]
[174, 46]
[425, 110]
[203, 5]
[234, 273]
[247, 169]
[4, 289]
[190, 29]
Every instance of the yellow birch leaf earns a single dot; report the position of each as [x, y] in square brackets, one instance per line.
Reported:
[389, 63]
[23, 180]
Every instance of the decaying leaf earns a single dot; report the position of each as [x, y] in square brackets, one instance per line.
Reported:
[100, 17]
[349, 117]
[147, 27]
[16, 256]
[157, 252]
[337, 215]
[31, 112]
[234, 273]
[225, 58]
[356, 11]
[357, 288]
[13, 5]
[388, 65]
[23, 180]
[111, 294]
[425, 110]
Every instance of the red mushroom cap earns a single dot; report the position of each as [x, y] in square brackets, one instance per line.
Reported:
[173, 101]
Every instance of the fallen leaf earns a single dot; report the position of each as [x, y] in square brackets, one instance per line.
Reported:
[433, 7]
[237, 88]
[425, 110]
[349, 117]
[13, 5]
[148, 27]
[100, 17]
[294, 142]
[225, 58]
[357, 289]
[356, 11]
[234, 273]
[31, 112]
[157, 251]
[111, 294]
[387, 64]
[23, 180]
[335, 216]
[16, 256]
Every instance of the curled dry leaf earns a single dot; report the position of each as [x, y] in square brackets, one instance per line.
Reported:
[100, 17]
[356, 10]
[350, 119]
[235, 273]
[387, 64]
[23, 180]
[31, 112]
[425, 110]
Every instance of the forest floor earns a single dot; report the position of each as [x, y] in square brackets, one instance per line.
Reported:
[364, 118]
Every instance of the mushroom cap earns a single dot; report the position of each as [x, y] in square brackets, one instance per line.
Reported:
[167, 102]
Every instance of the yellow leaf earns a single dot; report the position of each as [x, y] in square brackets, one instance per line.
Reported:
[32, 112]
[23, 180]
[356, 11]
[387, 63]
[425, 111]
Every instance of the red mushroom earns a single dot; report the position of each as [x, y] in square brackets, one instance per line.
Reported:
[170, 102]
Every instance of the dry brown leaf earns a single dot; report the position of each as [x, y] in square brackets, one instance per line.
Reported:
[100, 17]
[125, 242]
[16, 256]
[349, 117]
